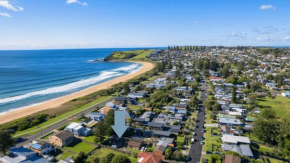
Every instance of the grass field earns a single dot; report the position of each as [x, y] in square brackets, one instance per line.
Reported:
[143, 53]
[180, 140]
[103, 152]
[90, 138]
[51, 121]
[140, 54]
[210, 141]
[81, 147]
[280, 104]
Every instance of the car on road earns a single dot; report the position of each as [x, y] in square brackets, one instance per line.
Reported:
[201, 143]
[192, 140]
[202, 138]
[193, 134]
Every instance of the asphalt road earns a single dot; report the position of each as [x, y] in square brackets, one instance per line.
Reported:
[196, 148]
[29, 138]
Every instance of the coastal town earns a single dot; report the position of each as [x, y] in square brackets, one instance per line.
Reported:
[199, 104]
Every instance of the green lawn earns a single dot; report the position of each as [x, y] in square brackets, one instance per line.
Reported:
[274, 160]
[143, 53]
[90, 138]
[81, 147]
[210, 141]
[135, 107]
[52, 121]
[180, 140]
[280, 104]
[65, 155]
[103, 152]
[140, 54]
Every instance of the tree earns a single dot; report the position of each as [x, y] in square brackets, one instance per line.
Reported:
[169, 153]
[109, 121]
[6, 141]
[126, 88]
[100, 132]
[268, 113]
[234, 95]
[81, 158]
[110, 157]
[266, 130]
[177, 155]
[120, 159]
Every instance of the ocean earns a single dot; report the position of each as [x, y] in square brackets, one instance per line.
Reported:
[31, 77]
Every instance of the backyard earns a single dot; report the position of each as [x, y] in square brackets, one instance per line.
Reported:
[103, 152]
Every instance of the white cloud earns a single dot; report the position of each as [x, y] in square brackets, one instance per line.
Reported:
[5, 14]
[287, 38]
[9, 6]
[267, 7]
[76, 1]
[244, 33]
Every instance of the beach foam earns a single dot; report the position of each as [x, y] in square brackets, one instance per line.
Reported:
[104, 75]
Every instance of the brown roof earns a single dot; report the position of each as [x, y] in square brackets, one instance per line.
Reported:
[135, 143]
[232, 159]
[149, 157]
[63, 135]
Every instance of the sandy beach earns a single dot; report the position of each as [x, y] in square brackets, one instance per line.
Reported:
[7, 117]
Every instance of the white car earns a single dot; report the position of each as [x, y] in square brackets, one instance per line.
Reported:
[142, 149]
[192, 140]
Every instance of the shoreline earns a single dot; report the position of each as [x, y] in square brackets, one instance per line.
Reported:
[26, 111]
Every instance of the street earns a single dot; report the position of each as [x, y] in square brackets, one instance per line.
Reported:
[196, 147]
[29, 138]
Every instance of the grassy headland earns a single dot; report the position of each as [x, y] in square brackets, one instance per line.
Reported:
[132, 55]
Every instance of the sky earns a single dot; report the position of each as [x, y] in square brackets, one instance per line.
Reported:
[62, 24]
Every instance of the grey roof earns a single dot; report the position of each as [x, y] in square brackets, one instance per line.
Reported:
[175, 129]
[138, 119]
[63, 135]
[244, 150]
[160, 148]
[156, 125]
[22, 151]
[230, 121]
[162, 133]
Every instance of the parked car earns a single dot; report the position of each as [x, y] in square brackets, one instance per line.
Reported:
[192, 140]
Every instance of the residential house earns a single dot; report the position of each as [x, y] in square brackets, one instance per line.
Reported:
[96, 116]
[229, 122]
[140, 94]
[61, 139]
[232, 159]
[286, 94]
[243, 150]
[235, 139]
[135, 144]
[78, 130]
[160, 134]
[155, 126]
[41, 147]
[158, 83]
[21, 154]
[144, 157]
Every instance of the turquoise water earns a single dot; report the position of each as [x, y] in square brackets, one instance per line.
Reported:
[32, 77]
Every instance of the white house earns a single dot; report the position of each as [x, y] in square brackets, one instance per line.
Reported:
[286, 94]
[235, 139]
